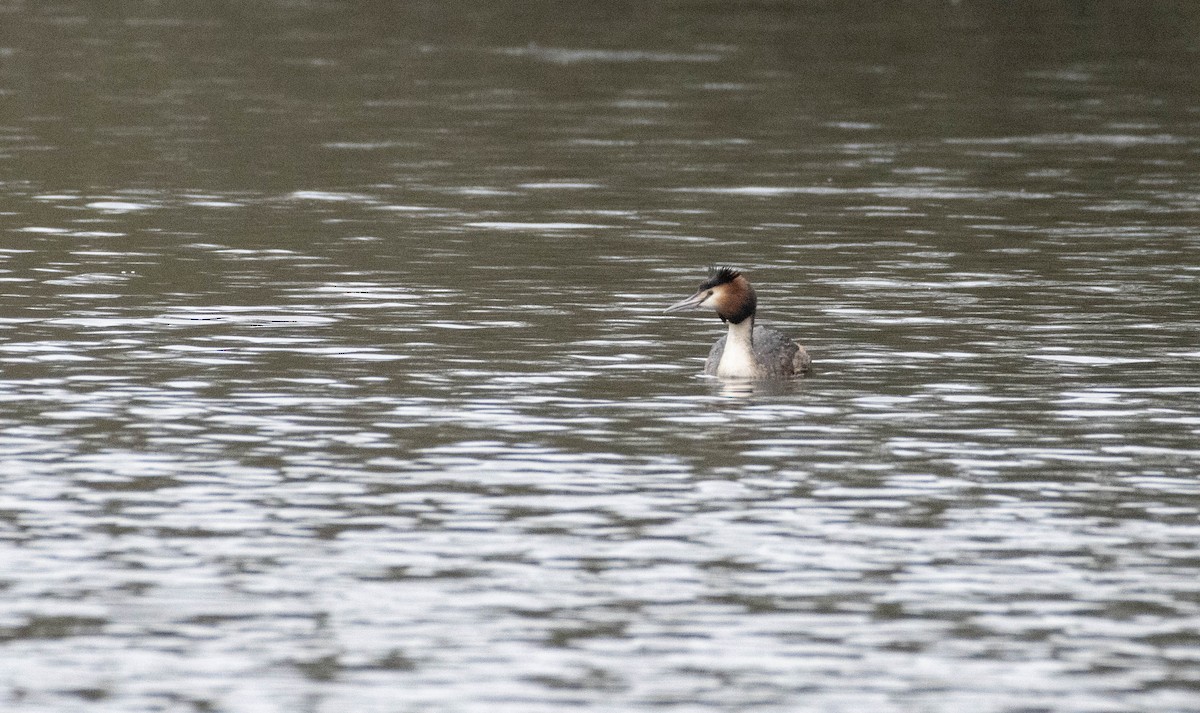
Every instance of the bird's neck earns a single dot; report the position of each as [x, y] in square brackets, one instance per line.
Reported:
[738, 360]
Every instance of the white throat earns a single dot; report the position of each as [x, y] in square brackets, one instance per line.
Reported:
[737, 361]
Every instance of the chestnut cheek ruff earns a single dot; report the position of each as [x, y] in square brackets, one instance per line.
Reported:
[738, 302]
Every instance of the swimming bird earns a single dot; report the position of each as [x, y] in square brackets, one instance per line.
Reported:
[746, 351]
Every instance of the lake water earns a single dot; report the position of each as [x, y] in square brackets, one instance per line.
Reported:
[334, 374]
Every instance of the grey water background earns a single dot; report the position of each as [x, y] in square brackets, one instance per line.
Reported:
[333, 373]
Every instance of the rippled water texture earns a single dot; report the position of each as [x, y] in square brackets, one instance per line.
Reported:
[334, 374]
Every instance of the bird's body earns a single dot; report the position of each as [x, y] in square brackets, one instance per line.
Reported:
[746, 351]
[775, 355]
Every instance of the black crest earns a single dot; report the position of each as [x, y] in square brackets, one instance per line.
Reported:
[719, 276]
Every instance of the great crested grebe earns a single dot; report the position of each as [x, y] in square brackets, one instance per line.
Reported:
[746, 351]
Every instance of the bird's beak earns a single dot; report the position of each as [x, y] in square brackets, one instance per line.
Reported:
[691, 302]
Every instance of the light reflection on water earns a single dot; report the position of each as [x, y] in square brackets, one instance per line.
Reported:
[333, 480]
[408, 430]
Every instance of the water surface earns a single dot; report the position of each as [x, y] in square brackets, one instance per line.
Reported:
[335, 375]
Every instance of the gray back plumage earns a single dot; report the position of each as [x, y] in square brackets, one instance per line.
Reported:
[776, 355]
